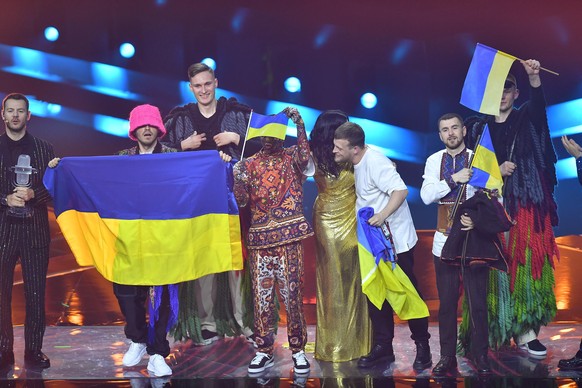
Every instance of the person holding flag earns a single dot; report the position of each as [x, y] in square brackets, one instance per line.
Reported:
[521, 139]
[269, 183]
[210, 124]
[450, 180]
[379, 186]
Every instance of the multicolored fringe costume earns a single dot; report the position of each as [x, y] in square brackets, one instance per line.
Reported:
[523, 299]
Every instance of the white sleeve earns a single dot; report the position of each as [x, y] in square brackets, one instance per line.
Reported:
[433, 188]
[385, 176]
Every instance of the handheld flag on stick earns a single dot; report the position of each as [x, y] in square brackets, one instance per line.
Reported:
[273, 126]
[486, 172]
[485, 79]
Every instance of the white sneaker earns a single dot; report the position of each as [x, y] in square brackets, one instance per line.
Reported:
[134, 354]
[260, 362]
[158, 367]
[301, 365]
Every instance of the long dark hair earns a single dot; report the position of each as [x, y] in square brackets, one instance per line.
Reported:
[321, 140]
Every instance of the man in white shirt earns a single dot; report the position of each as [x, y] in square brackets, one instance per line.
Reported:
[378, 185]
[444, 174]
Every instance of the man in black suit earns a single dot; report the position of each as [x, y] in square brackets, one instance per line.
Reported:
[24, 235]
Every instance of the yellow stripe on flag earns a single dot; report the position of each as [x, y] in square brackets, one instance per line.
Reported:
[381, 283]
[154, 252]
[495, 82]
[273, 130]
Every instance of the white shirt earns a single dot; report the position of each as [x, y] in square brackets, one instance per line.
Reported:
[376, 179]
[434, 189]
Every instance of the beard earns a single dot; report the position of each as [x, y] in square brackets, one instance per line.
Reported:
[16, 128]
[454, 144]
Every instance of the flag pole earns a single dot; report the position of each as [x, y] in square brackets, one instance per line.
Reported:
[242, 154]
[461, 192]
[521, 60]
[541, 68]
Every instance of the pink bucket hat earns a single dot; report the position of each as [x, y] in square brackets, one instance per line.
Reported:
[143, 115]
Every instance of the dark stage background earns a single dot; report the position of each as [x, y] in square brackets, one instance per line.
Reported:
[413, 55]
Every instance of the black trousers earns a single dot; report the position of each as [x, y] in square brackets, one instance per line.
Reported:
[34, 264]
[475, 280]
[383, 319]
[132, 300]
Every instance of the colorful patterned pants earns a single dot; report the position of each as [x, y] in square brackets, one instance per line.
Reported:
[283, 266]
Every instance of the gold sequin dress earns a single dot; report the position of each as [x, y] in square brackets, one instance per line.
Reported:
[343, 327]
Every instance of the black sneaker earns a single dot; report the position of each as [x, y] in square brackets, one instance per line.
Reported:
[300, 362]
[260, 362]
[535, 347]
[208, 337]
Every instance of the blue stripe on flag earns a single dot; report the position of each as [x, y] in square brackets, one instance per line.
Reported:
[476, 81]
[151, 187]
[259, 121]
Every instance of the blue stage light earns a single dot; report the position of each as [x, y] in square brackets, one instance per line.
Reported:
[54, 109]
[368, 100]
[126, 50]
[51, 34]
[210, 63]
[293, 85]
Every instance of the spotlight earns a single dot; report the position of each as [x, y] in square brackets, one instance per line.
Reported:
[126, 50]
[293, 85]
[368, 100]
[210, 63]
[54, 109]
[51, 34]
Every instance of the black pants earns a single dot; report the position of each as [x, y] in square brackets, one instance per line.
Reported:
[34, 264]
[132, 301]
[475, 280]
[383, 320]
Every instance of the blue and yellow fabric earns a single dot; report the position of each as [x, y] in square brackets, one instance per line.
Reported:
[153, 220]
[381, 280]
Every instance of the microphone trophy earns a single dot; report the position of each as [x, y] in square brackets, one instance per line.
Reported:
[22, 172]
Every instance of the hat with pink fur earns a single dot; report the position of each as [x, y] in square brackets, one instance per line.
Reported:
[143, 115]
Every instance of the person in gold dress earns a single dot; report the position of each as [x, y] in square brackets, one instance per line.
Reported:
[343, 327]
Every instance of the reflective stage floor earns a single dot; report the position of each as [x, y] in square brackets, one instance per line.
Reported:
[85, 340]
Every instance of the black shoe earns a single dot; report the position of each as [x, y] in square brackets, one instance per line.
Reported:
[379, 353]
[6, 359]
[446, 365]
[574, 363]
[423, 357]
[36, 360]
[482, 365]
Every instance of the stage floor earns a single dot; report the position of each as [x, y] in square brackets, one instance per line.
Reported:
[89, 355]
[85, 339]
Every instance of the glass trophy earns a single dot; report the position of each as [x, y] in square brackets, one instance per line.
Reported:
[22, 173]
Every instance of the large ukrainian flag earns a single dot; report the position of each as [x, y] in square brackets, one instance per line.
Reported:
[149, 219]
[485, 79]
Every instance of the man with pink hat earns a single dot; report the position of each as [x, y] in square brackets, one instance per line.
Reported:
[146, 127]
